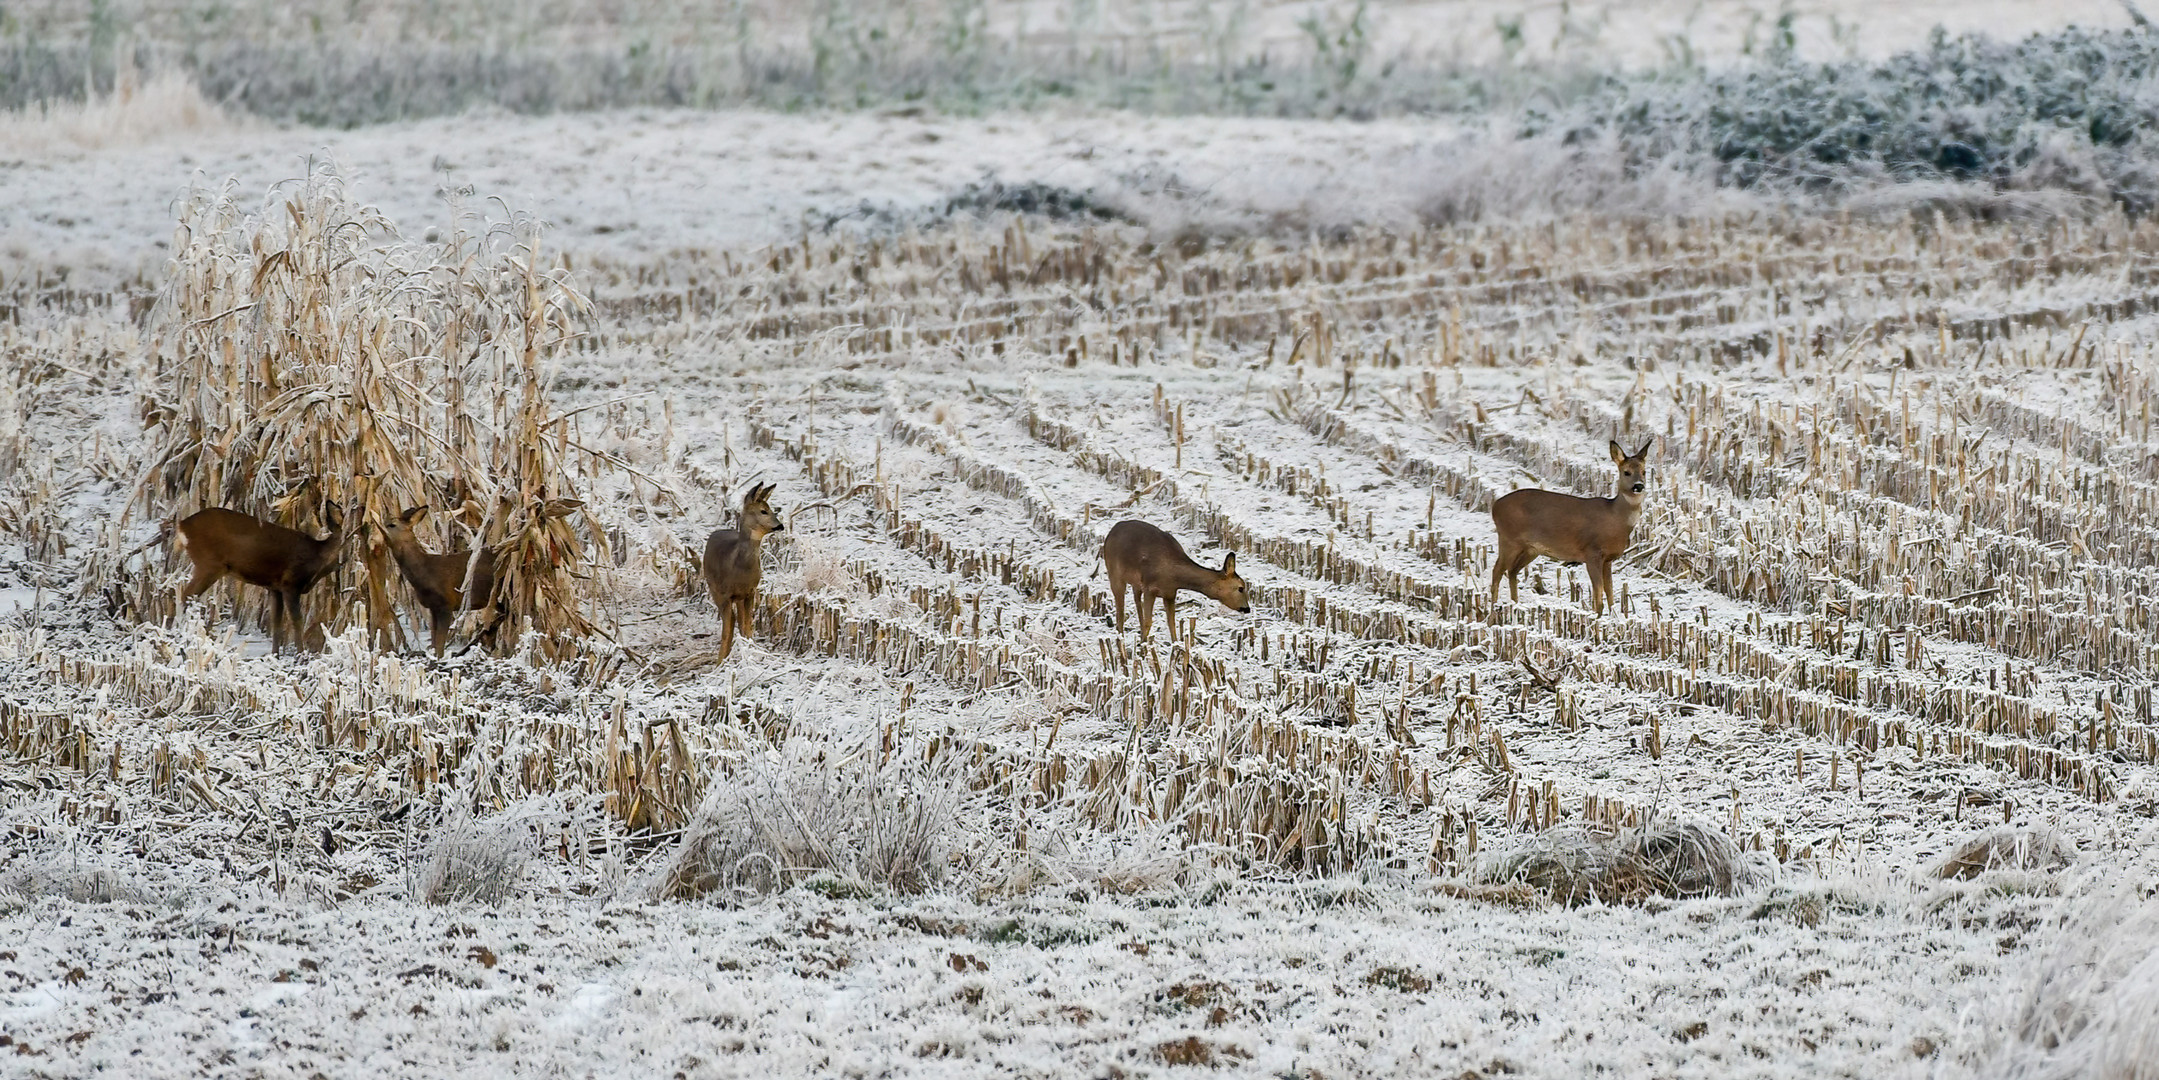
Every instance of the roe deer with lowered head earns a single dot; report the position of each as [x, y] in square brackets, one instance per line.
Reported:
[1155, 567]
[732, 566]
[1570, 528]
[286, 562]
[441, 581]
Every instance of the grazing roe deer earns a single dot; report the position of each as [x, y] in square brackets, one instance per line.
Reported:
[1570, 528]
[732, 566]
[439, 580]
[1154, 566]
[286, 562]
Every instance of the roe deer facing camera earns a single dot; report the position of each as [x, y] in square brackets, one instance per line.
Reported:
[1152, 564]
[286, 562]
[1570, 528]
[732, 566]
[439, 580]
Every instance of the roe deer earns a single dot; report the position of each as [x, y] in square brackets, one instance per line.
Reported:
[1154, 566]
[286, 562]
[440, 580]
[732, 566]
[1572, 529]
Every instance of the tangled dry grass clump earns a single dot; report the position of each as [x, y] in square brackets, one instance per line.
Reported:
[478, 859]
[313, 364]
[1663, 859]
[809, 808]
[2005, 848]
[2084, 1005]
[138, 109]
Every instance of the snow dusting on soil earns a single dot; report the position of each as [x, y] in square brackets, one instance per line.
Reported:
[1875, 710]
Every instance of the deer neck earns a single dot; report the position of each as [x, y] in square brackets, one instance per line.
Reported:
[1193, 576]
[325, 554]
[406, 550]
[755, 536]
[1629, 508]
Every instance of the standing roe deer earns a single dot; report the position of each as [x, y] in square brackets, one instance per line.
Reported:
[1154, 566]
[1572, 529]
[732, 566]
[439, 580]
[286, 562]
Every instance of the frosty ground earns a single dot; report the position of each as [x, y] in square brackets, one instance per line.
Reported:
[1931, 434]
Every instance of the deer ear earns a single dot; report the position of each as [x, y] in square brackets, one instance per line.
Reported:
[413, 514]
[1618, 455]
[1646, 444]
[1229, 563]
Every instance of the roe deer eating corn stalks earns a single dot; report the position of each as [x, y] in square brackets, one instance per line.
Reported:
[732, 566]
[1154, 566]
[285, 561]
[439, 580]
[1570, 528]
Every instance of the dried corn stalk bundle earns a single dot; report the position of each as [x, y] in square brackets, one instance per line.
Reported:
[313, 364]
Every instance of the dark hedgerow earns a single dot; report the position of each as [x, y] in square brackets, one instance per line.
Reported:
[2072, 109]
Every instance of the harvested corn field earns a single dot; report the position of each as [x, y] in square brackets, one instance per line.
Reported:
[1848, 769]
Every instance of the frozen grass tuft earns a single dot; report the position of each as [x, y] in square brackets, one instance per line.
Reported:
[1668, 860]
[2086, 1007]
[136, 111]
[812, 809]
[1063, 852]
[2007, 848]
[473, 859]
[65, 877]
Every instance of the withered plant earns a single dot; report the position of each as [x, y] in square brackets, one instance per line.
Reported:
[312, 361]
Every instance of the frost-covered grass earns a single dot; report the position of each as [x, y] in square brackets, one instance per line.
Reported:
[1351, 978]
[1842, 786]
[2069, 110]
[328, 62]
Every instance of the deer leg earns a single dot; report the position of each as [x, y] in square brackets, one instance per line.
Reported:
[303, 628]
[1169, 615]
[204, 577]
[1146, 613]
[296, 625]
[439, 630]
[1514, 575]
[727, 627]
[1116, 588]
[277, 622]
[1502, 565]
[1600, 584]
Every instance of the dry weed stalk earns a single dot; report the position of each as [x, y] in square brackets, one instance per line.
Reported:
[310, 358]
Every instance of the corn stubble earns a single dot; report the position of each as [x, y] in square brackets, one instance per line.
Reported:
[1874, 573]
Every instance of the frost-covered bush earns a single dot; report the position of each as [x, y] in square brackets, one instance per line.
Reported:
[1671, 860]
[2088, 1005]
[476, 859]
[2005, 848]
[2066, 110]
[813, 809]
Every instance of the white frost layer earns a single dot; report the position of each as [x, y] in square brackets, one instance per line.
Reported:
[1333, 980]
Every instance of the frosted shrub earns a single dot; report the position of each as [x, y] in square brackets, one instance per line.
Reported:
[783, 816]
[475, 859]
[2068, 109]
[1672, 860]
